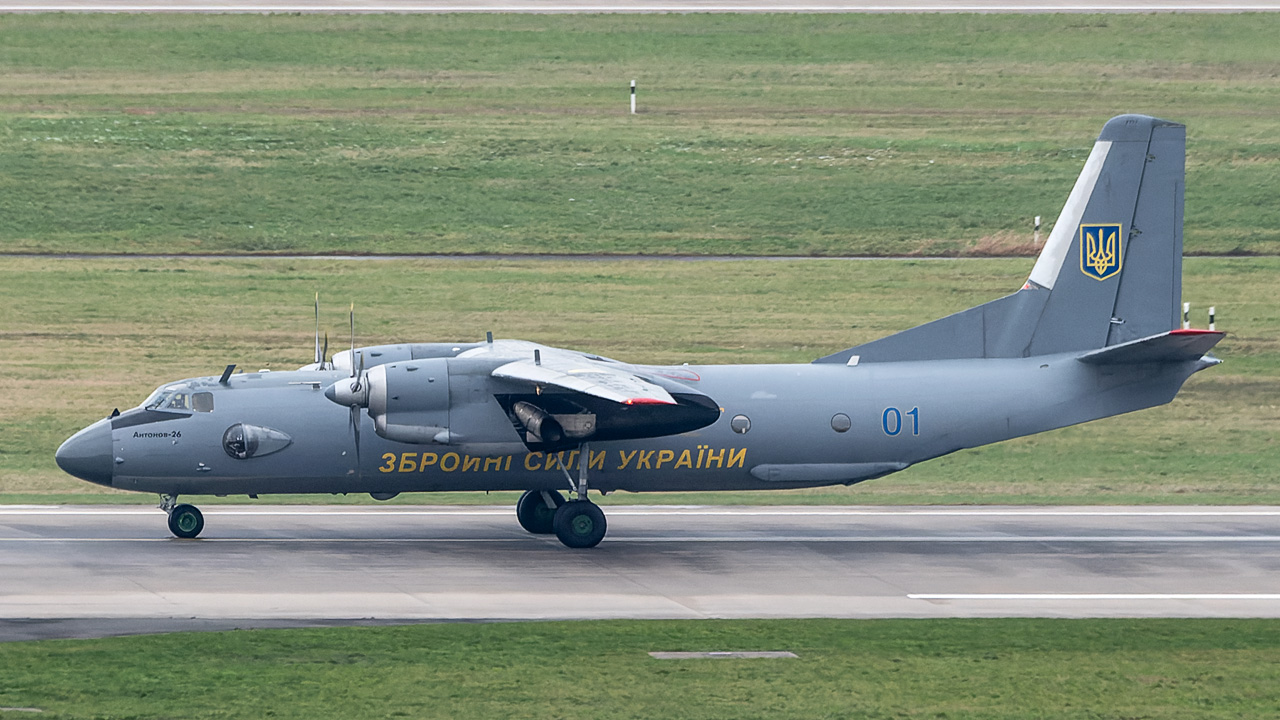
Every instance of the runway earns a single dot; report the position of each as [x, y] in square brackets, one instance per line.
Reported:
[87, 571]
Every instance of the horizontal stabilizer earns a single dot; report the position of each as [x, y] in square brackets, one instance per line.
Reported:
[1169, 347]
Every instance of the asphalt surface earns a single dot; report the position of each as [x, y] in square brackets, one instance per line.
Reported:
[634, 6]
[91, 571]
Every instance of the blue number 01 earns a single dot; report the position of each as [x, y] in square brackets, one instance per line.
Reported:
[891, 421]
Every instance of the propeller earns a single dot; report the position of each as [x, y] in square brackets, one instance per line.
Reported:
[319, 355]
[357, 374]
[321, 358]
[354, 422]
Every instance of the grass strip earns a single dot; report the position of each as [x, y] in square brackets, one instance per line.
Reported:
[959, 669]
[758, 134]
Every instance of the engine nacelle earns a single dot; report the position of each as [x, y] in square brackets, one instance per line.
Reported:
[409, 401]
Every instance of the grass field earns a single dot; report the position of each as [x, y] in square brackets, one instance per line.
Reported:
[759, 134]
[958, 669]
[87, 336]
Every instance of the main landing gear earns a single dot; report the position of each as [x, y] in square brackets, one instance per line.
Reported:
[536, 510]
[185, 521]
[578, 523]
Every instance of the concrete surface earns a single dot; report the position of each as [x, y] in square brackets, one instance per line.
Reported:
[85, 571]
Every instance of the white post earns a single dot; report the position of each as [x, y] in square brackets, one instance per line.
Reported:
[1186, 316]
[1211, 324]
[1037, 229]
[633, 97]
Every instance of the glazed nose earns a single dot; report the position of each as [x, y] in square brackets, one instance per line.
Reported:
[87, 454]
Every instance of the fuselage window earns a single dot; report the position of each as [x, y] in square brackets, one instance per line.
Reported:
[242, 441]
[202, 402]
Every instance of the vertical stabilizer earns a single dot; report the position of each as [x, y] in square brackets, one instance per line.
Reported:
[1110, 272]
[1114, 259]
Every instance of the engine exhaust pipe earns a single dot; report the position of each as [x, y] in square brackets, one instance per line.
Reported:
[539, 422]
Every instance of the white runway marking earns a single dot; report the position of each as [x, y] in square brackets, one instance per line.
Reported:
[725, 655]
[1093, 596]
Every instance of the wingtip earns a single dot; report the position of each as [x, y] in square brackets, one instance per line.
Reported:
[648, 401]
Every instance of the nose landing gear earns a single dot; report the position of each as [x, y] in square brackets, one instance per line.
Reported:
[185, 521]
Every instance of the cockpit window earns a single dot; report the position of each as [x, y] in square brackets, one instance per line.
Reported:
[178, 401]
[202, 402]
[172, 398]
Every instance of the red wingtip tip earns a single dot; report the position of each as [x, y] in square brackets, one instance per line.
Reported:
[647, 401]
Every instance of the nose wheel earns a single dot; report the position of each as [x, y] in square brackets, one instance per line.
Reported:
[185, 521]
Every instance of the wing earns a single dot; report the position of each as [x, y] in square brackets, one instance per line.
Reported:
[571, 398]
[590, 377]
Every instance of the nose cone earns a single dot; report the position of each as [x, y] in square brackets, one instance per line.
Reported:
[87, 454]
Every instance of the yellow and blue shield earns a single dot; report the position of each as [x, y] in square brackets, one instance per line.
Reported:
[1101, 253]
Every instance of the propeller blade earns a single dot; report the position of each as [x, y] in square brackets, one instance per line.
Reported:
[353, 339]
[355, 430]
[319, 355]
[359, 376]
[324, 354]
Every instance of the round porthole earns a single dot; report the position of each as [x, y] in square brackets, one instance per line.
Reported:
[840, 422]
[740, 424]
[242, 441]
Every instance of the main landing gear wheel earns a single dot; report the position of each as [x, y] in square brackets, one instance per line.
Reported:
[579, 524]
[185, 521]
[533, 513]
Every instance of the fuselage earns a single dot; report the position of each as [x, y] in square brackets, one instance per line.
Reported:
[780, 426]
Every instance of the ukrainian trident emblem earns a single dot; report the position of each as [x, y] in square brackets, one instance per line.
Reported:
[1100, 250]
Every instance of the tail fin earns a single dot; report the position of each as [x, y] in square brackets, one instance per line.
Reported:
[1110, 272]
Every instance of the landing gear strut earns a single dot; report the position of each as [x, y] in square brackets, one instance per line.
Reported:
[579, 523]
[185, 521]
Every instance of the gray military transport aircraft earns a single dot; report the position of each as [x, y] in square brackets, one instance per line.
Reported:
[1094, 332]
